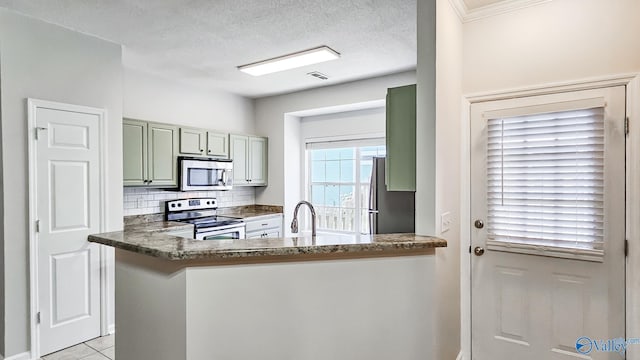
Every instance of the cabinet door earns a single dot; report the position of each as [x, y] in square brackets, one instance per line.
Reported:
[273, 233]
[254, 235]
[163, 162]
[192, 141]
[400, 174]
[134, 151]
[239, 150]
[257, 161]
[217, 144]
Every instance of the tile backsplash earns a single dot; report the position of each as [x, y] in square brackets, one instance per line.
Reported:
[139, 201]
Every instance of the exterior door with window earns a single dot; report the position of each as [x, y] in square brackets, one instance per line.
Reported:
[548, 226]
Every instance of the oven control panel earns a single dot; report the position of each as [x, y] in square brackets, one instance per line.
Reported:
[192, 204]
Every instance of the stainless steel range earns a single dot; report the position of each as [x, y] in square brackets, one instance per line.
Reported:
[201, 213]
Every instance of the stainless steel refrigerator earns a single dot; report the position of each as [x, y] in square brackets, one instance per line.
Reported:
[389, 211]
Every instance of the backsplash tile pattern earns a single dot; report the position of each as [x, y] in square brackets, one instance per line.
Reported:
[139, 201]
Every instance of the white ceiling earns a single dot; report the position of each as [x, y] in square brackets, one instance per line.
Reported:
[203, 41]
[476, 4]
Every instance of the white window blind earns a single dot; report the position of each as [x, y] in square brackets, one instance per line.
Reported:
[546, 179]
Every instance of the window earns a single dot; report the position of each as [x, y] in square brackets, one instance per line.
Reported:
[545, 179]
[339, 176]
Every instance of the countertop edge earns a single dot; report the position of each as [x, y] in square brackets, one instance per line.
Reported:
[390, 248]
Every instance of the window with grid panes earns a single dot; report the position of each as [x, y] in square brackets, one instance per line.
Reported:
[339, 177]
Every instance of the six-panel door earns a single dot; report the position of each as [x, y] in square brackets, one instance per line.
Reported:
[68, 178]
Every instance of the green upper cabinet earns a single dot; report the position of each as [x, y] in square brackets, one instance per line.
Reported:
[163, 155]
[249, 155]
[200, 142]
[217, 144]
[258, 160]
[193, 141]
[149, 154]
[134, 139]
[400, 172]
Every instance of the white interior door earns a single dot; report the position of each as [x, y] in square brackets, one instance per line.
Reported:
[67, 199]
[548, 213]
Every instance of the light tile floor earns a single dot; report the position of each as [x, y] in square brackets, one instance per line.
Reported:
[102, 348]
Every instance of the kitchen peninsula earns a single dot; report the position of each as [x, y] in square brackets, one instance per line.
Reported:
[328, 297]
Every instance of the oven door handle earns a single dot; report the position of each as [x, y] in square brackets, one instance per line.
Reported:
[200, 234]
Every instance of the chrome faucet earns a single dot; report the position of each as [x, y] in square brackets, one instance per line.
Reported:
[294, 223]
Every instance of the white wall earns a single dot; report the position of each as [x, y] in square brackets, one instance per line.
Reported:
[151, 98]
[560, 40]
[43, 61]
[447, 177]
[358, 122]
[554, 42]
[274, 119]
[148, 97]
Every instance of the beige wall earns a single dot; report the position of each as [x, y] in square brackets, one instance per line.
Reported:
[43, 61]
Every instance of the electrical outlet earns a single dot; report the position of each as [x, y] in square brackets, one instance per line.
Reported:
[445, 222]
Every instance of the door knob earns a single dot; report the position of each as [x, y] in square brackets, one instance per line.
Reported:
[478, 224]
[479, 251]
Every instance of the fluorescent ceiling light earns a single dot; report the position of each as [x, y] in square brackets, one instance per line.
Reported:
[291, 61]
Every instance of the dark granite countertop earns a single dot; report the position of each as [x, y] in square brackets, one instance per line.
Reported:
[151, 238]
[161, 245]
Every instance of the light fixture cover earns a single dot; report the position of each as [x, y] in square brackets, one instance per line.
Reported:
[291, 61]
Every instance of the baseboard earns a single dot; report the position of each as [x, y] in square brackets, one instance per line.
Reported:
[22, 356]
[111, 329]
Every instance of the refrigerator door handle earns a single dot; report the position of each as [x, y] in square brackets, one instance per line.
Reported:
[373, 204]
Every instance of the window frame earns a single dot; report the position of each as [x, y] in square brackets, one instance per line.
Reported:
[337, 143]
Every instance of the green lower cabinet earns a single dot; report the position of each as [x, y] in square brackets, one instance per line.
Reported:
[400, 172]
[149, 154]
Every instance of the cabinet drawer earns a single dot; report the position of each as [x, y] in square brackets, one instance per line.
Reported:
[271, 233]
[262, 224]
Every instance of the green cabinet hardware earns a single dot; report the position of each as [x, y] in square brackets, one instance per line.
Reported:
[249, 155]
[400, 172]
[149, 154]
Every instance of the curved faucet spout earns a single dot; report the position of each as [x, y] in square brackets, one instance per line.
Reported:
[294, 223]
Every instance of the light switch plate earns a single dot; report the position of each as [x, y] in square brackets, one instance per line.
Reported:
[445, 222]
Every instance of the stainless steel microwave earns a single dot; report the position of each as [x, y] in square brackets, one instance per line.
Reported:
[198, 174]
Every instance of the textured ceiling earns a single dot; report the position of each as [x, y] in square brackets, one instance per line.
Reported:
[202, 41]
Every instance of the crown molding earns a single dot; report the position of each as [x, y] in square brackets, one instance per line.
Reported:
[505, 6]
